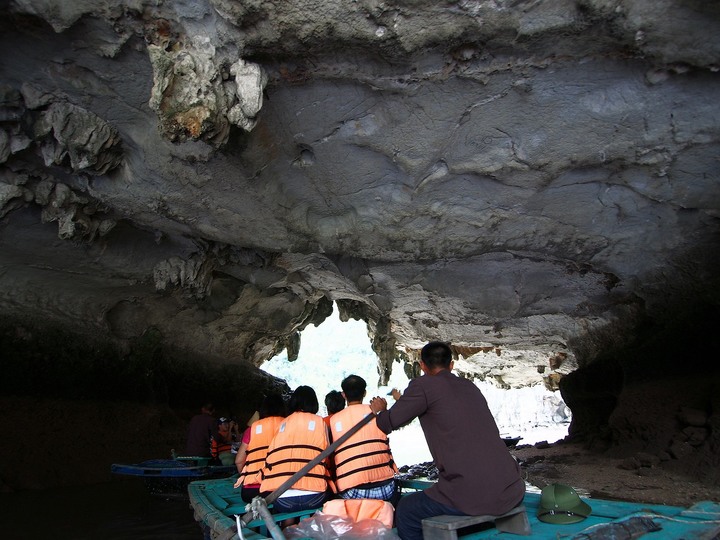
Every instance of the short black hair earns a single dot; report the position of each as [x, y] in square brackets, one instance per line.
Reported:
[354, 387]
[208, 406]
[273, 405]
[334, 402]
[303, 399]
[436, 354]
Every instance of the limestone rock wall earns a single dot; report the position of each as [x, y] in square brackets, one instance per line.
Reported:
[532, 181]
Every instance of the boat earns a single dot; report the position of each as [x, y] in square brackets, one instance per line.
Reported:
[170, 477]
[216, 504]
[511, 442]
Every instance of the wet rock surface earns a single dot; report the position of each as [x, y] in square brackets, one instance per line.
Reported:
[638, 478]
[420, 471]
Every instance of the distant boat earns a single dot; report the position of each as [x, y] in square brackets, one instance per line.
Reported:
[170, 477]
[216, 503]
[511, 441]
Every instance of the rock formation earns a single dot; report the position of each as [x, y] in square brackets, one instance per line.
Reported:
[536, 182]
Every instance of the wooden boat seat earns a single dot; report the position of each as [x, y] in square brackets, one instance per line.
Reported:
[446, 527]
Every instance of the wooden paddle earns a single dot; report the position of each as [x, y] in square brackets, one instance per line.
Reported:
[248, 517]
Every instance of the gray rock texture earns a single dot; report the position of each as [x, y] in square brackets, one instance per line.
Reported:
[525, 179]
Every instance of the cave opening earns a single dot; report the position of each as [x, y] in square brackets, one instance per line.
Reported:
[330, 352]
[335, 349]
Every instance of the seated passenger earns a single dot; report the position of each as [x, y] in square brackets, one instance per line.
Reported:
[334, 402]
[255, 443]
[301, 437]
[203, 427]
[364, 466]
[221, 444]
[477, 474]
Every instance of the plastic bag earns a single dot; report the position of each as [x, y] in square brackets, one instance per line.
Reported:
[327, 527]
[627, 529]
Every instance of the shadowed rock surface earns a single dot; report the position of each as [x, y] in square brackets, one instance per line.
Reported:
[535, 182]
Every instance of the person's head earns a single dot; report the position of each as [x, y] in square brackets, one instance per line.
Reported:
[354, 388]
[436, 355]
[223, 424]
[334, 402]
[273, 405]
[303, 399]
[207, 408]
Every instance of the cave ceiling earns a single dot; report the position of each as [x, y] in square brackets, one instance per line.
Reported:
[525, 179]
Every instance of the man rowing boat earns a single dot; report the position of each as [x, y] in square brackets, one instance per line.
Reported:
[477, 473]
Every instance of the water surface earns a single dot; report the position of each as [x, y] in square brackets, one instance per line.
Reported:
[117, 510]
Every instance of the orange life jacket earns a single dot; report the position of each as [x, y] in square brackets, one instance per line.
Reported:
[261, 435]
[359, 509]
[299, 439]
[217, 447]
[365, 457]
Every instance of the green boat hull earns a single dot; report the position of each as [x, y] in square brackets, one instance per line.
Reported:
[216, 502]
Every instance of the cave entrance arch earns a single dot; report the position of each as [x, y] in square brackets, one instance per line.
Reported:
[335, 349]
[330, 352]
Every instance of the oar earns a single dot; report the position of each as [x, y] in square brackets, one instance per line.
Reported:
[248, 517]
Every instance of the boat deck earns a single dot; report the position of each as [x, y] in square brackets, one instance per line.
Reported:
[216, 502]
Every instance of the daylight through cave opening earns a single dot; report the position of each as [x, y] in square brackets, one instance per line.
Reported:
[335, 349]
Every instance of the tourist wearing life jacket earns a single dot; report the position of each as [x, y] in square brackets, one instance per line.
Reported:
[364, 466]
[301, 437]
[221, 444]
[255, 443]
